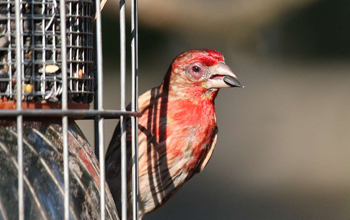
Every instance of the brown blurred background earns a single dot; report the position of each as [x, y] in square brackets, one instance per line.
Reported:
[284, 142]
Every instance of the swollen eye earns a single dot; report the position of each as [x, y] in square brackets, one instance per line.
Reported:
[196, 70]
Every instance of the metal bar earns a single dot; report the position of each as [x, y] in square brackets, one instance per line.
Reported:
[64, 107]
[43, 58]
[70, 45]
[77, 42]
[84, 41]
[134, 108]
[100, 108]
[9, 51]
[69, 112]
[51, 62]
[95, 99]
[19, 71]
[33, 51]
[54, 46]
[93, 117]
[123, 168]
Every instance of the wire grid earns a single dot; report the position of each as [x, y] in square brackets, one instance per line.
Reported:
[134, 107]
[40, 40]
[66, 74]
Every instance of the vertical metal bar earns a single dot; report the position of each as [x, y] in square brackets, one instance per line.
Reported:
[64, 107]
[96, 141]
[33, 52]
[77, 44]
[100, 107]
[19, 108]
[84, 45]
[43, 59]
[9, 52]
[71, 36]
[122, 107]
[96, 133]
[54, 48]
[134, 107]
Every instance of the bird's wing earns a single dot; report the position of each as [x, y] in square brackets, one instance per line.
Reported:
[210, 152]
[144, 101]
[147, 98]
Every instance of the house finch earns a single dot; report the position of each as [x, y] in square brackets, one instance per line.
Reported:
[177, 129]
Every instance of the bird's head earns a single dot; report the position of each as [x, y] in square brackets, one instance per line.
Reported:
[199, 73]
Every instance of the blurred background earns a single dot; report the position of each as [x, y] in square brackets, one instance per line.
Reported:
[284, 140]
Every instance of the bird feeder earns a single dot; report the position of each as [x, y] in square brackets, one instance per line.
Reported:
[47, 61]
[40, 37]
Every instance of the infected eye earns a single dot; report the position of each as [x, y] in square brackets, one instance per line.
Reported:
[196, 70]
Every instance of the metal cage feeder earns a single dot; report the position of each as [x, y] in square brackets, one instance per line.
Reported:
[40, 38]
[48, 53]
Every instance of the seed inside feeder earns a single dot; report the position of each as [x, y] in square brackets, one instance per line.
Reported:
[49, 69]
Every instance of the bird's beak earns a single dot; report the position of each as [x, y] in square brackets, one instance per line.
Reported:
[222, 77]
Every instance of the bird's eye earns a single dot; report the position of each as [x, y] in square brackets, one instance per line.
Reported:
[196, 70]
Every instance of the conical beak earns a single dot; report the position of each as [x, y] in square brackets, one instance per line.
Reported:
[222, 77]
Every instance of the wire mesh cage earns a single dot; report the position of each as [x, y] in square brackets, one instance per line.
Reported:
[40, 35]
[50, 67]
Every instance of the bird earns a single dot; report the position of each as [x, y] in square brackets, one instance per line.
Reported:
[177, 131]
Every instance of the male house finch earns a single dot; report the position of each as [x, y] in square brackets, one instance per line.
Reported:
[177, 129]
